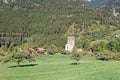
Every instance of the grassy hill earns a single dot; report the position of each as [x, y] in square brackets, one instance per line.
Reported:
[58, 67]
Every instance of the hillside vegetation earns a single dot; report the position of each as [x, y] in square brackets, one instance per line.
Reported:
[45, 22]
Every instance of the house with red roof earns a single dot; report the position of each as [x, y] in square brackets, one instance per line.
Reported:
[40, 51]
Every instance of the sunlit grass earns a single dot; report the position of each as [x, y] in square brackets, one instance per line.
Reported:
[59, 67]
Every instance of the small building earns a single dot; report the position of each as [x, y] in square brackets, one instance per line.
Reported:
[70, 43]
[40, 51]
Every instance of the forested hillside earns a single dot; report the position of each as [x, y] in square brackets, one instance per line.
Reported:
[105, 4]
[113, 3]
[46, 22]
[98, 3]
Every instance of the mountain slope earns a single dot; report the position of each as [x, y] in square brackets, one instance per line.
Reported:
[98, 3]
[104, 3]
[46, 22]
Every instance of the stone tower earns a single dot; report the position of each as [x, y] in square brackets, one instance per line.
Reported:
[70, 43]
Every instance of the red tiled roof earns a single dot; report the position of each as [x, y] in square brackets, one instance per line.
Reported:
[40, 49]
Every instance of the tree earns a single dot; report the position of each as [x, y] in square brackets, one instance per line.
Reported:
[113, 45]
[76, 55]
[2, 54]
[71, 30]
[98, 45]
[17, 55]
[4, 51]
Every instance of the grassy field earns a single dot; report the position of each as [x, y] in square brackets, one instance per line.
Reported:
[59, 67]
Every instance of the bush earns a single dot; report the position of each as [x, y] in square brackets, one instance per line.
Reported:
[18, 57]
[117, 56]
[86, 53]
[50, 52]
[114, 45]
[98, 45]
[105, 55]
[63, 51]
[52, 49]
[76, 55]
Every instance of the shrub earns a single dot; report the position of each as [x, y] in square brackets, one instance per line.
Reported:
[13, 54]
[18, 57]
[114, 45]
[98, 45]
[76, 55]
[63, 51]
[52, 49]
[86, 53]
[50, 52]
[117, 56]
[104, 55]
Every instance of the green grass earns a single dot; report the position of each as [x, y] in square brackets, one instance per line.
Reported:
[58, 67]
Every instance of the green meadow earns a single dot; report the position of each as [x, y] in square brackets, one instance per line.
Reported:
[61, 67]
